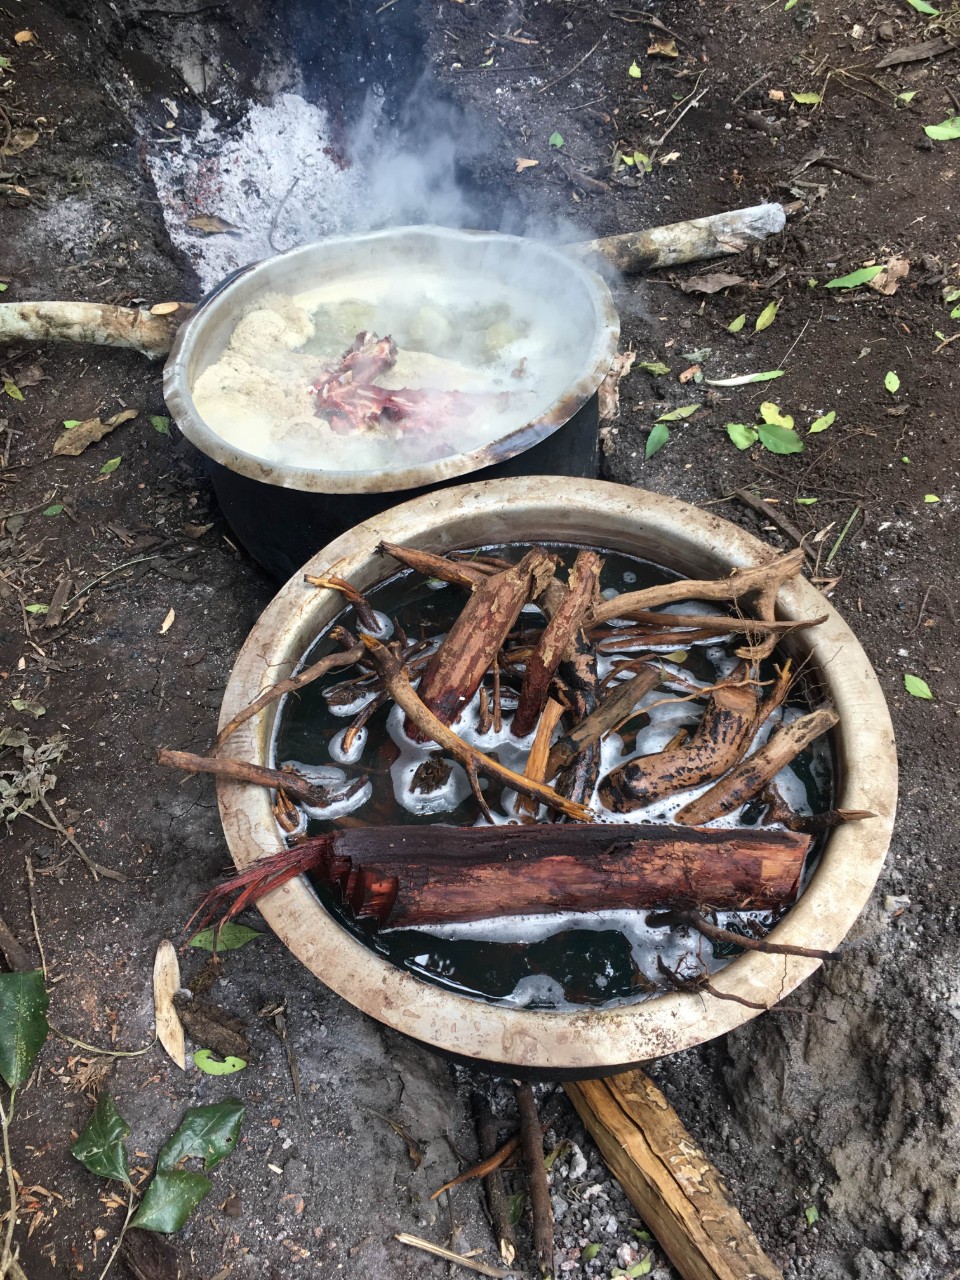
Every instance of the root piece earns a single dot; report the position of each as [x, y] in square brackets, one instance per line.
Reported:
[537, 761]
[106, 326]
[753, 774]
[717, 743]
[555, 640]
[430, 727]
[531, 1144]
[694, 920]
[365, 612]
[462, 573]
[811, 824]
[740, 583]
[471, 645]
[611, 712]
[288, 780]
[493, 1185]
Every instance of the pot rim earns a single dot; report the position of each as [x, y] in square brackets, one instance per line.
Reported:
[600, 348]
[589, 1040]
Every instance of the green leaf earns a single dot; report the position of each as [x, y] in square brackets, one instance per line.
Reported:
[110, 466]
[917, 687]
[951, 295]
[744, 379]
[806, 502]
[100, 1146]
[170, 1200]
[955, 313]
[645, 1236]
[161, 424]
[772, 414]
[590, 1251]
[657, 438]
[488, 63]
[812, 1214]
[229, 937]
[945, 131]
[676, 656]
[806, 99]
[634, 71]
[855, 278]
[930, 497]
[741, 435]
[905, 459]
[642, 161]
[891, 382]
[654, 367]
[736, 325]
[766, 317]
[908, 95]
[23, 1023]
[36, 608]
[921, 6]
[3, 287]
[676, 414]
[212, 1066]
[515, 1205]
[54, 510]
[208, 1132]
[70, 423]
[13, 391]
[821, 424]
[779, 439]
[789, 5]
[22, 704]
[556, 140]
[4, 63]
[641, 1268]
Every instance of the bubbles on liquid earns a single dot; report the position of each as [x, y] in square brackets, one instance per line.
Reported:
[384, 629]
[356, 750]
[351, 708]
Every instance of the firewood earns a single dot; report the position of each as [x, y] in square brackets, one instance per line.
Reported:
[368, 618]
[668, 1179]
[108, 326]
[537, 761]
[610, 713]
[557, 636]
[752, 774]
[293, 783]
[497, 1201]
[541, 1208]
[472, 643]
[811, 823]
[462, 573]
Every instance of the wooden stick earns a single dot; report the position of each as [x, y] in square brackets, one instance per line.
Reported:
[448, 1255]
[751, 775]
[668, 1179]
[307, 676]
[151, 335]
[698, 240]
[493, 1184]
[694, 920]
[619, 703]
[364, 610]
[462, 573]
[531, 1144]
[740, 583]
[554, 641]
[291, 782]
[537, 761]
[486, 1166]
[706, 623]
[404, 694]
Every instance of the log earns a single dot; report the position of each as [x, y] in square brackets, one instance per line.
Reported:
[106, 326]
[668, 1179]
[473, 642]
[718, 235]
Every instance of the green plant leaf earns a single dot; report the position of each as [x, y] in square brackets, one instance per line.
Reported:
[930, 497]
[556, 140]
[54, 510]
[951, 295]
[806, 502]
[515, 1206]
[766, 317]
[590, 1251]
[70, 423]
[821, 424]
[675, 415]
[109, 466]
[23, 1023]
[742, 435]
[3, 287]
[955, 313]
[744, 379]
[917, 687]
[657, 438]
[945, 131]
[812, 1214]
[654, 367]
[772, 414]
[229, 937]
[161, 424]
[209, 1133]
[855, 278]
[908, 95]
[170, 1200]
[779, 439]
[100, 1146]
[806, 99]
[891, 382]
[34, 608]
[634, 71]
[642, 161]
[736, 325]
[211, 1066]
[921, 6]
[5, 63]
[13, 391]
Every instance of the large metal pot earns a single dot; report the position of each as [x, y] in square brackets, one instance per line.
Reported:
[283, 514]
[592, 1041]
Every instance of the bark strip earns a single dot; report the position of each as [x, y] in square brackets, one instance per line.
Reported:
[461, 573]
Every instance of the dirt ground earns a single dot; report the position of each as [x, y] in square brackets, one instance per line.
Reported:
[850, 1108]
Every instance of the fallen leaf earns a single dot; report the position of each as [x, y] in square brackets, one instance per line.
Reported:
[674, 415]
[779, 439]
[20, 140]
[211, 225]
[556, 140]
[197, 531]
[766, 317]
[775, 95]
[892, 382]
[742, 435]
[208, 1064]
[863, 276]
[31, 376]
[711, 283]
[161, 424]
[523, 163]
[634, 71]
[945, 131]
[25, 37]
[921, 6]
[917, 687]
[771, 413]
[663, 49]
[80, 435]
[744, 379]
[806, 99]
[110, 466]
[689, 374]
[164, 308]
[736, 325]
[166, 984]
[930, 497]
[609, 396]
[655, 367]
[670, 157]
[657, 438]
[821, 424]
[887, 280]
[13, 391]
[167, 622]
[54, 510]
[22, 704]
[806, 502]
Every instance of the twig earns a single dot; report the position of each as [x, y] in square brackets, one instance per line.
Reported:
[694, 102]
[8, 1259]
[484, 1167]
[945, 343]
[283, 203]
[288, 780]
[31, 888]
[693, 920]
[923, 605]
[754, 84]
[448, 1255]
[843, 533]
[131, 1204]
[831, 162]
[579, 63]
[280, 1021]
[493, 1183]
[101, 1053]
[127, 564]
[95, 868]
[531, 1143]
[771, 513]
[365, 612]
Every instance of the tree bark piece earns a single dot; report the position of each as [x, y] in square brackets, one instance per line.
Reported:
[716, 236]
[531, 1145]
[493, 1185]
[750, 776]
[611, 712]
[555, 640]
[677, 1192]
[470, 646]
[462, 573]
[106, 326]
[537, 761]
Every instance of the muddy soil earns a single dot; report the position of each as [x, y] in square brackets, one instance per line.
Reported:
[837, 1124]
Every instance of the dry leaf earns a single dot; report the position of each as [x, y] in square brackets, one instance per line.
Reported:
[610, 387]
[525, 164]
[211, 225]
[888, 281]
[20, 140]
[30, 376]
[164, 308]
[168, 621]
[197, 531]
[25, 37]
[670, 157]
[711, 283]
[690, 373]
[663, 49]
[775, 95]
[73, 442]
[166, 984]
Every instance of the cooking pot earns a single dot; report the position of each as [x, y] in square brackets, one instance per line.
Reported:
[284, 513]
[590, 1041]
